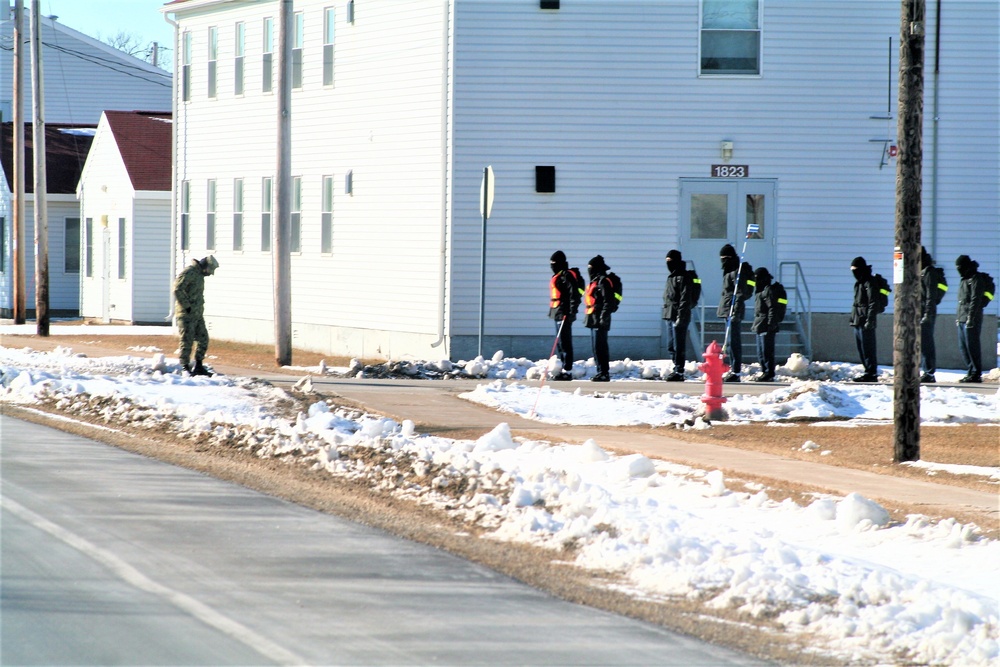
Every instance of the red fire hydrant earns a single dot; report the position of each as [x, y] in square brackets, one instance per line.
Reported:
[713, 367]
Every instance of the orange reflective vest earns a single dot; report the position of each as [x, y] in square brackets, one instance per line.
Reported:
[589, 299]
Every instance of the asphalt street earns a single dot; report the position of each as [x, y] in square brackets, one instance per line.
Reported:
[113, 558]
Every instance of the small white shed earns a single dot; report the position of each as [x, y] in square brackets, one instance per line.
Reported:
[124, 196]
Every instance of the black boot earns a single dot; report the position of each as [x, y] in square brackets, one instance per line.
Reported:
[199, 369]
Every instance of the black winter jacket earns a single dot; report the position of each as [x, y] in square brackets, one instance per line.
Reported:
[863, 311]
[677, 298]
[972, 300]
[564, 297]
[597, 302]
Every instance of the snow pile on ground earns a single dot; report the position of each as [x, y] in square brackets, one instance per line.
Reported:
[801, 400]
[835, 573]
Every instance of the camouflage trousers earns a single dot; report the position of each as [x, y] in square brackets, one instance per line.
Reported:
[194, 334]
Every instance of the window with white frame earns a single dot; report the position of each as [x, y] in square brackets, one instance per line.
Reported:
[88, 248]
[299, 40]
[730, 37]
[122, 248]
[72, 245]
[237, 214]
[186, 67]
[295, 245]
[210, 215]
[185, 219]
[265, 214]
[268, 59]
[240, 50]
[328, 30]
[213, 59]
[3, 244]
[326, 222]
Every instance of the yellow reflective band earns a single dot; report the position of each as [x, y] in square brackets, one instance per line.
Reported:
[696, 280]
[784, 301]
[618, 296]
[884, 291]
[989, 295]
[942, 287]
[752, 283]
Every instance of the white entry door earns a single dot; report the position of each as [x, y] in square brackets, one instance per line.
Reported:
[714, 212]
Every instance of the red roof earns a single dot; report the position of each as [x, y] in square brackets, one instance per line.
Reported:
[66, 148]
[144, 141]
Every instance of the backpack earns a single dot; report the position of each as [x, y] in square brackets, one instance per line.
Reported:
[694, 286]
[616, 288]
[991, 287]
[780, 299]
[579, 286]
[747, 284]
[882, 291]
[940, 283]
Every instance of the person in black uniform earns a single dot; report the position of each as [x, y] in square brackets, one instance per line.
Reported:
[864, 319]
[972, 300]
[933, 286]
[597, 301]
[677, 313]
[735, 280]
[565, 293]
[765, 323]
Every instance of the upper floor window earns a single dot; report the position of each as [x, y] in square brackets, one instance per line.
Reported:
[295, 244]
[265, 214]
[268, 60]
[297, 50]
[328, 27]
[241, 49]
[730, 36]
[186, 67]
[213, 58]
[185, 217]
[326, 222]
[122, 248]
[237, 214]
[210, 216]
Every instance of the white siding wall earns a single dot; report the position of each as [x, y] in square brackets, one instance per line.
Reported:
[610, 95]
[382, 120]
[149, 258]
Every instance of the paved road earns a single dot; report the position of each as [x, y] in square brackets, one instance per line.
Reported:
[113, 558]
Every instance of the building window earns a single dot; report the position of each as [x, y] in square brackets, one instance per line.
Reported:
[121, 248]
[297, 50]
[266, 202]
[328, 28]
[185, 216]
[210, 215]
[241, 50]
[88, 247]
[213, 58]
[237, 214]
[295, 244]
[326, 223]
[3, 244]
[730, 36]
[186, 68]
[268, 61]
[72, 245]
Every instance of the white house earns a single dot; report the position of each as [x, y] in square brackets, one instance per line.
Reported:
[621, 128]
[82, 78]
[66, 149]
[125, 199]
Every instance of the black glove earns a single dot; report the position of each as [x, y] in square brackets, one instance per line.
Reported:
[187, 310]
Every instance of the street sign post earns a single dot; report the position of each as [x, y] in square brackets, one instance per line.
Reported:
[485, 208]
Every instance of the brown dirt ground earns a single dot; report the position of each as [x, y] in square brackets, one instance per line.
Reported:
[868, 448]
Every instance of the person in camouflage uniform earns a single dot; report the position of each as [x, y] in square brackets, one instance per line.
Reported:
[189, 308]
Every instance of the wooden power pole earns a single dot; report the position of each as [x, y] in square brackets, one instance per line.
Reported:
[906, 261]
[17, 228]
[41, 187]
[281, 232]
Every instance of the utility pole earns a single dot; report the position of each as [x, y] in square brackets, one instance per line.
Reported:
[17, 228]
[41, 187]
[906, 338]
[281, 234]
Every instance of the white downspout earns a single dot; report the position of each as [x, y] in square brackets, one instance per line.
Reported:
[446, 108]
[174, 162]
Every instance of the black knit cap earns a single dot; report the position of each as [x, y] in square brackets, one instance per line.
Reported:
[728, 251]
[858, 263]
[558, 256]
[674, 256]
[596, 263]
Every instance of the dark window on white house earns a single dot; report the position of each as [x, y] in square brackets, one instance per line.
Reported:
[268, 60]
[241, 48]
[213, 60]
[121, 248]
[297, 50]
[328, 34]
[295, 245]
[545, 179]
[72, 245]
[186, 68]
[3, 245]
[210, 215]
[237, 214]
[326, 222]
[88, 247]
[730, 37]
[185, 218]
[265, 214]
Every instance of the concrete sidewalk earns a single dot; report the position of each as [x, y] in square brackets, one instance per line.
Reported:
[435, 406]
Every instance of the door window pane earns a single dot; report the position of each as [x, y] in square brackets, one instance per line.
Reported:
[755, 215]
[709, 216]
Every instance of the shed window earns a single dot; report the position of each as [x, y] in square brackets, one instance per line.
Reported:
[121, 249]
[730, 37]
[72, 244]
[88, 248]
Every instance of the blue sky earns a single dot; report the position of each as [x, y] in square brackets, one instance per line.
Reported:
[106, 18]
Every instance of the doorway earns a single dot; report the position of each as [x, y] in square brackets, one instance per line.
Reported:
[716, 211]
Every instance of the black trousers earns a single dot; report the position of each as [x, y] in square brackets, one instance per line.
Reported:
[602, 357]
[968, 344]
[928, 353]
[564, 348]
[865, 339]
[735, 346]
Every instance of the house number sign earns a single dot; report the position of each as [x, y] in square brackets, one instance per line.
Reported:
[730, 171]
